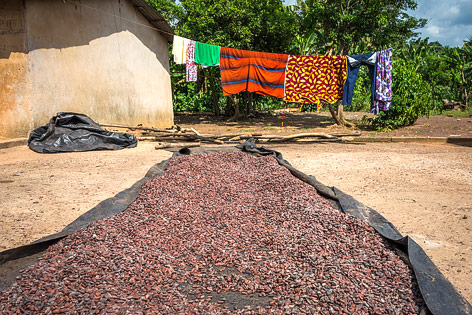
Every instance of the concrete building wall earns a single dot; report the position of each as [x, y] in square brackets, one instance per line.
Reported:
[15, 114]
[88, 61]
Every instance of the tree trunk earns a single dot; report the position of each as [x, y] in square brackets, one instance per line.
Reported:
[466, 95]
[341, 111]
[334, 115]
[234, 99]
[249, 110]
[201, 80]
[229, 107]
[245, 102]
[214, 96]
[466, 98]
[251, 101]
[339, 116]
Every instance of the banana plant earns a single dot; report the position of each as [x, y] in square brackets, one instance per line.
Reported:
[416, 51]
[460, 60]
[310, 44]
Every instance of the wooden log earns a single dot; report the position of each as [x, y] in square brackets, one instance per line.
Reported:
[165, 138]
[170, 135]
[195, 132]
[139, 128]
[165, 145]
[237, 138]
[273, 138]
[354, 134]
[308, 135]
[181, 137]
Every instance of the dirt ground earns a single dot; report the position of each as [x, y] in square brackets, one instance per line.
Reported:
[423, 189]
[42, 193]
[296, 122]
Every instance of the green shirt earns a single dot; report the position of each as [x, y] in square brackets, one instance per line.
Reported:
[206, 54]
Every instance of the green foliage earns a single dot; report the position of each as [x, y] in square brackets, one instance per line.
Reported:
[308, 44]
[460, 62]
[354, 27]
[374, 24]
[266, 103]
[362, 96]
[443, 92]
[411, 98]
[244, 24]
[170, 10]
[193, 96]
[424, 72]
[190, 99]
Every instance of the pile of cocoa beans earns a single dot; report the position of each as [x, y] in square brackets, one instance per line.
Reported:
[220, 233]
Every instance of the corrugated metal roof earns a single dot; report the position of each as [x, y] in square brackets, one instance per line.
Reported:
[154, 18]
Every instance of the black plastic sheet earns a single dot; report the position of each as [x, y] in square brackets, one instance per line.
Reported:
[72, 132]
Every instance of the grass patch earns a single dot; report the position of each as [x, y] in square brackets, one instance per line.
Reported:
[457, 113]
[269, 128]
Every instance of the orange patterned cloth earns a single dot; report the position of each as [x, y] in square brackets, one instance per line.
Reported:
[312, 79]
[258, 72]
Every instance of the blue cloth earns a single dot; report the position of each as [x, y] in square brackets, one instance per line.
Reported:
[354, 62]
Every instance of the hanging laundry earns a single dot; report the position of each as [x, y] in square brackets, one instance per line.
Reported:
[383, 81]
[179, 49]
[312, 79]
[258, 72]
[191, 66]
[206, 54]
[354, 63]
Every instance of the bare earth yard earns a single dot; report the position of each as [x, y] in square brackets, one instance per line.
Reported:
[425, 190]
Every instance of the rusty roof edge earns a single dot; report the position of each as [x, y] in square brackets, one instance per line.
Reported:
[154, 18]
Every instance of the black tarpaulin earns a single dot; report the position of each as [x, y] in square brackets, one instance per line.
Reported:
[72, 132]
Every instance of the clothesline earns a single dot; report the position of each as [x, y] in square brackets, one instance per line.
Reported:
[294, 78]
[305, 79]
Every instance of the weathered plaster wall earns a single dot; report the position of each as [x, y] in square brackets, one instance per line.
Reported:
[14, 85]
[94, 63]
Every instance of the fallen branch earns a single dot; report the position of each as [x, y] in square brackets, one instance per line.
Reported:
[195, 132]
[305, 135]
[139, 128]
[271, 138]
[165, 145]
[181, 137]
[354, 134]
[166, 138]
